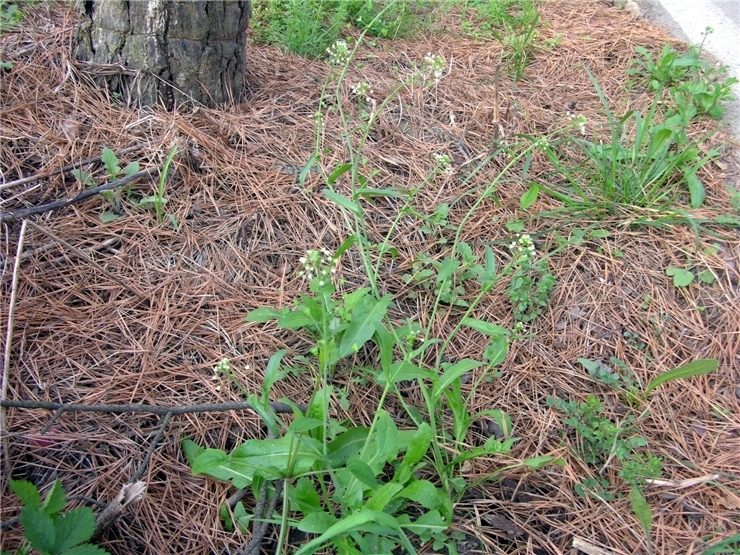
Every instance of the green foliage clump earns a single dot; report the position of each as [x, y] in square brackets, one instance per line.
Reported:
[50, 531]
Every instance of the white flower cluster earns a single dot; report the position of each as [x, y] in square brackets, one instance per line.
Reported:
[338, 53]
[523, 249]
[434, 64]
[223, 368]
[318, 264]
[444, 163]
[363, 90]
[579, 121]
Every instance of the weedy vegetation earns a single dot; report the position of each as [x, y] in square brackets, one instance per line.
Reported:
[391, 484]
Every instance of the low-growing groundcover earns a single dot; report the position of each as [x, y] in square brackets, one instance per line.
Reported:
[479, 356]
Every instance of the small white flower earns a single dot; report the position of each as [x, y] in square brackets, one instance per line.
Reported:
[338, 53]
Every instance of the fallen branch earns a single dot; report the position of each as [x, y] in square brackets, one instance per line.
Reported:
[25, 212]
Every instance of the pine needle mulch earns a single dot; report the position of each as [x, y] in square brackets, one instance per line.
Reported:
[171, 303]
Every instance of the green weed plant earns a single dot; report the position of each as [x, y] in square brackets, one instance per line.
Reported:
[50, 531]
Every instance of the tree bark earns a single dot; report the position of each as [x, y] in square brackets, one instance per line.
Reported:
[170, 52]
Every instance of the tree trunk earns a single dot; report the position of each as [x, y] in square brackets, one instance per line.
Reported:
[173, 51]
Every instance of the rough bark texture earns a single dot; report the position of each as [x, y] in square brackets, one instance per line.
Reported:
[179, 50]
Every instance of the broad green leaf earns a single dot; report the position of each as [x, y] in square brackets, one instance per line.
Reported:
[486, 328]
[431, 521]
[305, 496]
[422, 492]
[696, 368]
[338, 172]
[346, 446]
[386, 439]
[83, 177]
[365, 317]
[383, 496]
[74, 527]
[263, 314]
[317, 522]
[131, 169]
[307, 168]
[419, 445]
[304, 424]
[362, 472]
[27, 493]
[38, 528]
[403, 371]
[497, 350]
[707, 277]
[535, 463]
[273, 373]
[489, 275]
[369, 192]
[451, 373]
[447, 269]
[343, 202]
[696, 189]
[529, 197]
[191, 450]
[241, 517]
[642, 510]
[55, 500]
[111, 162]
[86, 549]
[269, 458]
[109, 216]
[515, 226]
[347, 525]
[681, 277]
[350, 300]
[725, 547]
[385, 342]
[599, 233]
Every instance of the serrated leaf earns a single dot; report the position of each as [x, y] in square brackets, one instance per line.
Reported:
[486, 328]
[55, 500]
[305, 496]
[111, 162]
[38, 527]
[74, 527]
[447, 269]
[529, 197]
[26, 492]
[696, 368]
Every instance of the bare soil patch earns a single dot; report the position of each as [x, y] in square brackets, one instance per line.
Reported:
[79, 336]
